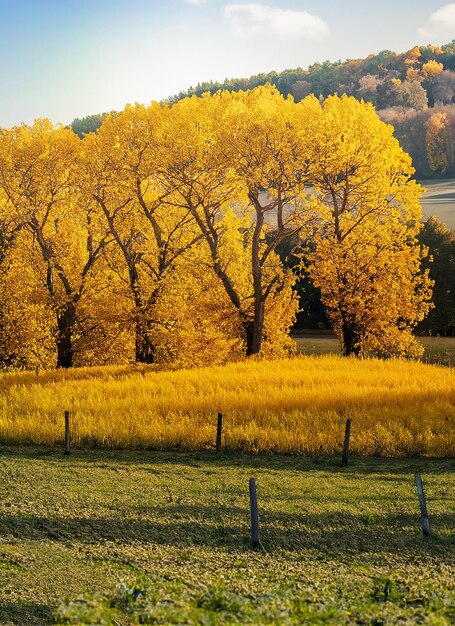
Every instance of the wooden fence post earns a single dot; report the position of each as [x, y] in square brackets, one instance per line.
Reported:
[254, 514]
[67, 432]
[347, 435]
[219, 431]
[423, 506]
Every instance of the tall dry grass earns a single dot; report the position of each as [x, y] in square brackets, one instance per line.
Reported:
[296, 405]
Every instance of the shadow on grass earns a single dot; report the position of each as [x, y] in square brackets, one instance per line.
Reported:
[228, 527]
[105, 458]
[29, 614]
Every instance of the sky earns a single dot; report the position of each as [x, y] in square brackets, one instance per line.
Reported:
[64, 59]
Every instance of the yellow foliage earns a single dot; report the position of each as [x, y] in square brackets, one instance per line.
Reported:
[413, 74]
[26, 339]
[413, 55]
[432, 68]
[58, 240]
[439, 138]
[365, 256]
[156, 238]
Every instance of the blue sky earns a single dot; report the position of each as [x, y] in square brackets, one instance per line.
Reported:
[70, 58]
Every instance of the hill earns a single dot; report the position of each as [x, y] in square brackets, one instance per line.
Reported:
[414, 78]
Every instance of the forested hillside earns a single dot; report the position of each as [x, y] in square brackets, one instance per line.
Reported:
[414, 91]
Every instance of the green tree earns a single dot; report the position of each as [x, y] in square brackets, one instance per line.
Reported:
[440, 241]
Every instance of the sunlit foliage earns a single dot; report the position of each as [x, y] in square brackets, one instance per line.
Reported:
[294, 405]
[366, 259]
[154, 240]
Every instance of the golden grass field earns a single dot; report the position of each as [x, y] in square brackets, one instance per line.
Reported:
[297, 406]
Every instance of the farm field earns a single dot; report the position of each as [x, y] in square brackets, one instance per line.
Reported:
[438, 350]
[338, 545]
[294, 406]
[439, 200]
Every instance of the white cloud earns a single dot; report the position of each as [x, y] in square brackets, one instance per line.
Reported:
[440, 23]
[194, 1]
[250, 19]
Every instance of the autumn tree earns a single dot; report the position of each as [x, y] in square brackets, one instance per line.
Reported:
[121, 164]
[440, 140]
[239, 150]
[157, 237]
[38, 175]
[10, 227]
[440, 241]
[430, 73]
[300, 89]
[444, 88]
[368, 87]
[410, 94]
[196, 178]
[366, 259]
[267, 149]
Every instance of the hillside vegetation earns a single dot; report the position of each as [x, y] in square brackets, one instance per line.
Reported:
[292, 406]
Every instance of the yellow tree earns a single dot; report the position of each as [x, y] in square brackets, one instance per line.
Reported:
[365, 257]
[265, 140]
[197, 178]
[239, 151]
[121, 162]
[440, 141]
[28, 329]
[432, 69]
[38, 175]
[202, 325]
[10, 228]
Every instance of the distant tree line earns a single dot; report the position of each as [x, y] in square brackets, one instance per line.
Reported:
[414, 91]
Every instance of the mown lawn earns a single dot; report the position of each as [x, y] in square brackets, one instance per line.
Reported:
[339, 545]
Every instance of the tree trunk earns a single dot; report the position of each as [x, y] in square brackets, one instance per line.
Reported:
[256, 267]
[351, 339]
[65, 322]
[249, 333]
[258, 324]
[145, 350]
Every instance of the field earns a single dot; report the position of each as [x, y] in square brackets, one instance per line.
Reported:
[439, 200]
[292, 406]
[338, 545]
[438, 350]
[154, 528]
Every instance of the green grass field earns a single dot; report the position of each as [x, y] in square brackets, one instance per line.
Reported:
[438, 350]
[338, 545]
